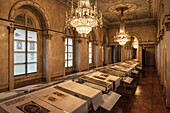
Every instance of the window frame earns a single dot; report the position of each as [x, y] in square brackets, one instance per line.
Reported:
[67, 52]
[27, 28]
[90, 52]
[26, 51]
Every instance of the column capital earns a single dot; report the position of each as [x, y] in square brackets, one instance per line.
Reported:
[11, 29]
[78, 39]
[96, 43]
[47, 36]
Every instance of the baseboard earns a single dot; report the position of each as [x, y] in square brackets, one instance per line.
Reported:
[4, 86]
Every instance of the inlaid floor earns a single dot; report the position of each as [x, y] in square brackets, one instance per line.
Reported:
[145, 98]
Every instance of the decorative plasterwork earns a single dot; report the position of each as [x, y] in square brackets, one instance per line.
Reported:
[144, 9]
[150, 8]
[131, 8]
[167, 22]
[133, 23]
[138, 9]
[33, 5]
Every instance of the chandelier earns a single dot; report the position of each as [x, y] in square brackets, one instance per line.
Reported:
[84, 17]
[135, 43]
[122, 36]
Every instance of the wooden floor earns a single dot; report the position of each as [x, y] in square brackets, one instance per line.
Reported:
[146, 97]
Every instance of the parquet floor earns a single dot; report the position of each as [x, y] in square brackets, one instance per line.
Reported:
[146, 97]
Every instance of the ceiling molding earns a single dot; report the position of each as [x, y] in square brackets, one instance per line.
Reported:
[150, 8]
[148, 21]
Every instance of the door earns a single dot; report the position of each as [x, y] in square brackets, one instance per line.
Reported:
[150, 56]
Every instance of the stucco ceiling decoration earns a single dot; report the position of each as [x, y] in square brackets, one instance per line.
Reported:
[139, 10]
[130, 8]
[150, 8]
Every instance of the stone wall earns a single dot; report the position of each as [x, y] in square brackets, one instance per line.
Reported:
[144, 34]
[53, 12]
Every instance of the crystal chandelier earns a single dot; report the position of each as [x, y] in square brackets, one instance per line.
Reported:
[135, 43]
[84, 17]
[122, 36]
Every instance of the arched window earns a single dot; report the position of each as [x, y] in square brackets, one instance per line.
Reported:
[90, 52]
[25, 46]
[68, 50]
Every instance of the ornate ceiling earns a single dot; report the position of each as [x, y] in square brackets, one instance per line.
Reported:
[138, 10]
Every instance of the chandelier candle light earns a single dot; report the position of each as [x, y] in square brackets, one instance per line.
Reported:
[84, 17]
[122, 36]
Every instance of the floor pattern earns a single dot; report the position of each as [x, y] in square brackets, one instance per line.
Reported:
[144, 96]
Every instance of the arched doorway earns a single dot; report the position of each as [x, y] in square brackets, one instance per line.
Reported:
[135, 45]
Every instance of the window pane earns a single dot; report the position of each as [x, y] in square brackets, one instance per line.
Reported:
[90, 55]
[90, 61]
[19, 46]
[19, 34]
[65, 56]
[66, 41]
[32, 68]
[70, 41]
[70, 56]
[30, 21]
[20, 19]
[19, 69]
[65, 48]
[90, 44]
[65, 63]
[32, 36]
[32, 47]
[32, 57]
[19, 57]
[90, 50]
[70, 49]
[70, 63]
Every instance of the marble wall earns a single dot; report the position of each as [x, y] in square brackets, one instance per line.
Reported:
[144, 34]
[163, 53]
[51, 16]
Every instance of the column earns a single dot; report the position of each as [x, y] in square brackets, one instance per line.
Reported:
[167, 60]
[162, 62]
[11, 58]
[46, 56]
[77, 54]
[140, 54]
[95, 54]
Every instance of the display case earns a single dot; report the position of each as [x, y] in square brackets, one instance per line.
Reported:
[28, 104]
[62, 100]
[101, 79]
[92, 96]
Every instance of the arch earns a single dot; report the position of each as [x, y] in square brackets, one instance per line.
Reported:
[105, 38]
[69, 32]
[92, 35]
[34, 7]
[139, 39]
[136, 35]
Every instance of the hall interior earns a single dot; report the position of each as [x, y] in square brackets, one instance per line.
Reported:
[105, 55]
